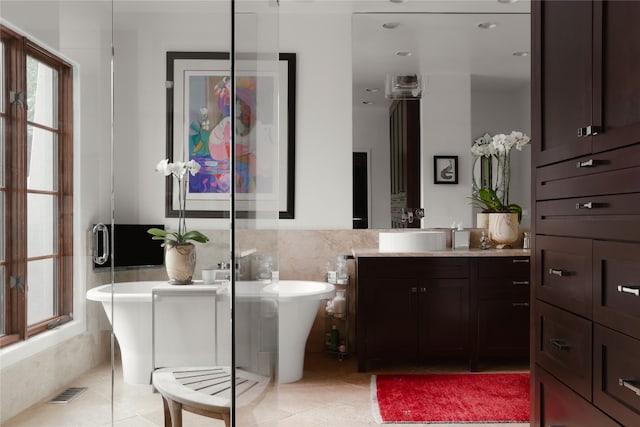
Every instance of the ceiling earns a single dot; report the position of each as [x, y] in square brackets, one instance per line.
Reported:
[442, 37]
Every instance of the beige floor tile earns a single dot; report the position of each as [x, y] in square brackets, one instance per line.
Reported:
[331, 394]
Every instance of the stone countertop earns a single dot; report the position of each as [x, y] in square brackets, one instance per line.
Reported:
[375, 253]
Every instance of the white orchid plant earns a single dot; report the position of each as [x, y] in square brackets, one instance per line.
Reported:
[495, 197]
[180, 171]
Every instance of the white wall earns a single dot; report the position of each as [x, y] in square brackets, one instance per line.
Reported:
[324, 119]
[502, 112]
[371, 134]
[446, 130]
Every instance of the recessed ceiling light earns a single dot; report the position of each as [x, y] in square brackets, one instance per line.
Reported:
[487, 25]
[507, 1]
[397, 1]
[521, 53]
[390, 25]
[403, 53]
[367, 102]
[371, 89]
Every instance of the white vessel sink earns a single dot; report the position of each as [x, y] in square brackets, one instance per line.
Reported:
[412, 241]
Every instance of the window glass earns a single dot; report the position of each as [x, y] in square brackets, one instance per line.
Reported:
[41, 159]
[42, 224]
[2, 169]
[42, 94]
[2, 301]
[41, 290]
[2, 77]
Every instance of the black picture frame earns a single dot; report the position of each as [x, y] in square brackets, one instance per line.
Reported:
[287, 168]
[445, 169]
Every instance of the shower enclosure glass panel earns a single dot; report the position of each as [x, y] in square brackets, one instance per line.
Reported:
[256, 89]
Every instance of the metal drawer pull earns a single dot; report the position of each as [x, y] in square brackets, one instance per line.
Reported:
[558, 272]
[586, 164]
[520, 260]
[630, 384]
[521, 282]
[631, 290]
[520, 304]
[414, 290]
[586, 205]
[560, 344]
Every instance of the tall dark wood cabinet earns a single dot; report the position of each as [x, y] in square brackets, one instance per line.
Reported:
[585, 347]
[404, 128]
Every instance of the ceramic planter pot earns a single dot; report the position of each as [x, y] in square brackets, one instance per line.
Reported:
[180, 262]
[482, 220]
[503, 228]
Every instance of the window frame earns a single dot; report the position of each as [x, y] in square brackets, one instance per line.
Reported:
[16, 50]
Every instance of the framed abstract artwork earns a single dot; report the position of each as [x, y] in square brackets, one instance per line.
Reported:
[199, 129]
[445, 169]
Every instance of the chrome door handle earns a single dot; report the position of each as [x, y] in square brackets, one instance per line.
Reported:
[560, 344]
[520, 260]
[586, 164]
[100, 259]
[585, 205]
[559, 272]
[631, 290]
[630, 384]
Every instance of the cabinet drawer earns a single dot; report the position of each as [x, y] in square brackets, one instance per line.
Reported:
[408, 267]
[591, 175]
[512, 268]
[563, 273]
[616, 278]
[616, 382]
[597, 217]
[557, 405]
[563, 347]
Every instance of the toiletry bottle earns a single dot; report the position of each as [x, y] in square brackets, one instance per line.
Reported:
[342, 348]
[341, 271]
[332, 276]
[334, 338]
[339, 304]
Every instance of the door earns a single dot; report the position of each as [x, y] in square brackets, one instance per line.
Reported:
[616, 70]
[404, 127]
[360, 190]
[562, 94]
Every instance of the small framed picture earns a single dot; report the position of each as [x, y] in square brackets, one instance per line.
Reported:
[445, 169]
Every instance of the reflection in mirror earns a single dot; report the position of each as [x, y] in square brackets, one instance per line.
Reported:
[476, 81]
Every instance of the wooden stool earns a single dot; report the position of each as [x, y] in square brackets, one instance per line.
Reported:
[203, 391]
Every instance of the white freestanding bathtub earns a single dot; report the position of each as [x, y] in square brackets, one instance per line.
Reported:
[294, 302]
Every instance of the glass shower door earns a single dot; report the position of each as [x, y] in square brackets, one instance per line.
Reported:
[258, 89]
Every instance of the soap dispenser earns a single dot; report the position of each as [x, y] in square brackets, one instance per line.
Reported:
[339, 304]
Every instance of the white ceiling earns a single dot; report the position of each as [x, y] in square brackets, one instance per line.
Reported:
[442, 36]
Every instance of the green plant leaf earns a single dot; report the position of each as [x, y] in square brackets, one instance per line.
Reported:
[195, 235]
[157, 232]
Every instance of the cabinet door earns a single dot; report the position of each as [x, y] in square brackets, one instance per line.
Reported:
[443, 327]
[503, 328]
[392, 323]
[616, 71]
[562, 78]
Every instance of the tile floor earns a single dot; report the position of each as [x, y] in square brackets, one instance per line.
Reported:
[331, 394]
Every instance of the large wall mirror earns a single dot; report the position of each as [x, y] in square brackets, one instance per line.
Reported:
[476, 80]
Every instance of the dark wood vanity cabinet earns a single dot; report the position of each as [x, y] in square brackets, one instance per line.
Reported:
[411, 308]
[416, 308]
[586, 291]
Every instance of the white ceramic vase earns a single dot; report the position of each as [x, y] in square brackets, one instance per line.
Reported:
[482, 220]
[503, 228]
[180, 262]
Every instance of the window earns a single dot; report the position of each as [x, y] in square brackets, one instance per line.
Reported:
[36, 189]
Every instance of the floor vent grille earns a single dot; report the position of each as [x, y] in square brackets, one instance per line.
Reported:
[68, 395]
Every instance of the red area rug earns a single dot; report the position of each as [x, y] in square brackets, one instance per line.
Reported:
[451, 398]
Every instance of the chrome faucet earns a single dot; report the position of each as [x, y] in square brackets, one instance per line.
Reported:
[409, 214]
